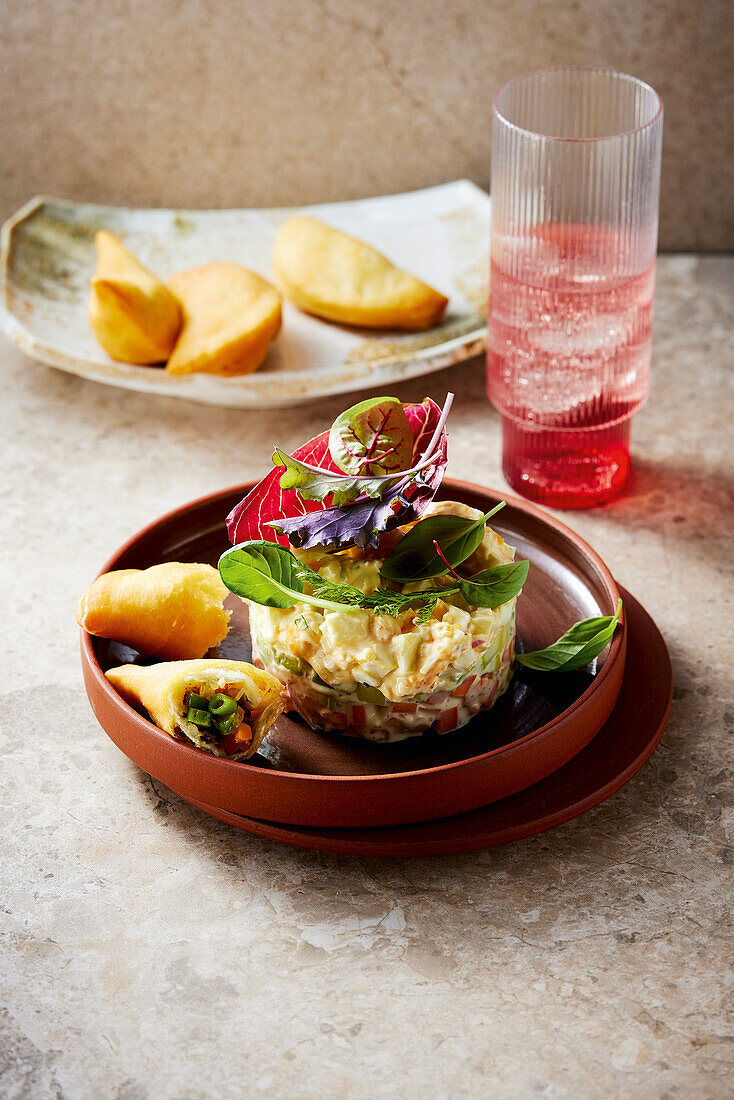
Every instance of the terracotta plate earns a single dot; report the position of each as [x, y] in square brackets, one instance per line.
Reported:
[625, 742]
[314, 779]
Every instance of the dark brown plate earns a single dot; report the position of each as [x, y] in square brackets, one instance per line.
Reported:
[621, 747]
[321, 780]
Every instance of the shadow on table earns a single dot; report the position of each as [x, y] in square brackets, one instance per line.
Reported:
[673, 499]
[640, 847]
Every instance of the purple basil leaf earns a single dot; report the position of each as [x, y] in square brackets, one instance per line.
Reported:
[357, 524]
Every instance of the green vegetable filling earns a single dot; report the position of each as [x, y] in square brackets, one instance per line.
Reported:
[201, 718]
[220, 713]
[231, 723]
[221, 706]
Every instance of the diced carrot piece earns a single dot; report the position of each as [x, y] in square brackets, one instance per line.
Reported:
[237, 741]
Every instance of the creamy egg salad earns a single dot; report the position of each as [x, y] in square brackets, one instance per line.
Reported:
[382, 612]
[386, 677]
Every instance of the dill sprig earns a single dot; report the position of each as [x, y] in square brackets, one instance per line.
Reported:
[382, 601]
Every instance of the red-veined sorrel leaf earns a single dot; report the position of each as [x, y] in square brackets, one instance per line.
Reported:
[372, 438]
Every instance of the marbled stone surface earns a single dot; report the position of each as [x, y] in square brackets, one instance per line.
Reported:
[151, 952]
[281, 103]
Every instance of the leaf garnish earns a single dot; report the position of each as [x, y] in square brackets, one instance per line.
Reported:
[372, 438]
[361, 521]
[270, 575]
[584, 641]
[496, 586]
[315, 484]
[415, 557]
[383, 601]
[336, 528]
[270, 505]
[490, 587]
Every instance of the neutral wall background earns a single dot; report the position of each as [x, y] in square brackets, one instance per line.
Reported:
[272, 102]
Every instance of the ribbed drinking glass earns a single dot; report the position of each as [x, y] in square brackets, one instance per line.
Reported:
[575, 192]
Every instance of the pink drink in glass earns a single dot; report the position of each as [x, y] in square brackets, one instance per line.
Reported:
[568, 360]
[575, 188]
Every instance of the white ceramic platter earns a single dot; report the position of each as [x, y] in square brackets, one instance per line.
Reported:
[440, 234]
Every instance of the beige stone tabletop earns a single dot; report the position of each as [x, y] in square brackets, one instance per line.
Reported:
[150, 952]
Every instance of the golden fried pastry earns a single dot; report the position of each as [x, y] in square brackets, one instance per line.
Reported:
[172, 611]
[327, 272]
[133, 315]
[223, 707]
[230, 317]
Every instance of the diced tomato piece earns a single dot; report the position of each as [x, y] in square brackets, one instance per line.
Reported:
[359, 715]
[405, 708]
[237, 741]
[462, 689]
[449, 720]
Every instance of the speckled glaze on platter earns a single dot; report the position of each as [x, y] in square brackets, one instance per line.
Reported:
[440, 234]
[315, 779]
[622, 746]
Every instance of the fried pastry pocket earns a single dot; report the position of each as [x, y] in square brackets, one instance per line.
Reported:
[134, 316]
[330, 274]
[223, 707]
[173, 611]
[230, 316]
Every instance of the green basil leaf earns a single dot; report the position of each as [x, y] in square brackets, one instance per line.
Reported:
[580, 644]
[314, 484]
[372, 438]
[415, 558]
[268, 574]
[493, 587]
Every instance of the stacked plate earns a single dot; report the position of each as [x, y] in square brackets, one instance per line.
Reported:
[555, 745]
